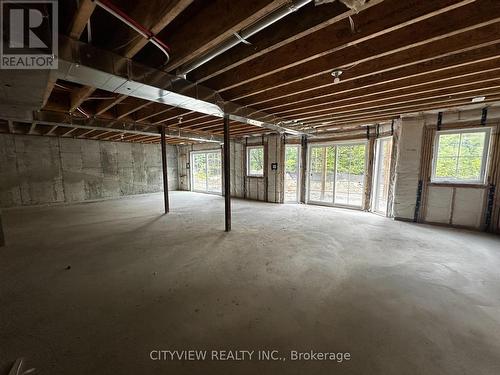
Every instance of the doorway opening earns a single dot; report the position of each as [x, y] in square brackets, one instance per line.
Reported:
[206, 171]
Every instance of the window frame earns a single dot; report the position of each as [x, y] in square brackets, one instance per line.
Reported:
[248, 150]
[352, 142]
[484, 160]
[192, 155]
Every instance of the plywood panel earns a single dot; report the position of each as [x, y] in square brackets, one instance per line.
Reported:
[469, 207]
[439, 204]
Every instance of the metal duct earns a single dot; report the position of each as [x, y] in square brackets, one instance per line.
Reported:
[243, 35]
[65, 120]
[84, 64]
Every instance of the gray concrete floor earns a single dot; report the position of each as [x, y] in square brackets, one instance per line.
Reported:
[401, 298]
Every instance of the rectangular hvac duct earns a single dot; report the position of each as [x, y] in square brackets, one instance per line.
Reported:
[84, 64]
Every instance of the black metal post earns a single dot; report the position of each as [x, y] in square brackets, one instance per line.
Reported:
[165, 169]
[227, 174]
[2, 238]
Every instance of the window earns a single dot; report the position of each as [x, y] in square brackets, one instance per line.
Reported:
[255, 161]
[461, 156]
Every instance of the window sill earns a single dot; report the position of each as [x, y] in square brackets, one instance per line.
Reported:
[459, 185]
[254, 176]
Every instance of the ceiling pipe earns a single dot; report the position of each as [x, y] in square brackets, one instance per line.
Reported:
[243, 35]
[89, 66]
[133, 24]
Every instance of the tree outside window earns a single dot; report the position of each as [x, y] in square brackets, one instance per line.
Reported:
[461, 156]
[255, 161]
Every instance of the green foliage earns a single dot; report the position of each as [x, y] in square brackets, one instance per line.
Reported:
[291, 160]
[459, 156]
[351, 159]
[256, 160]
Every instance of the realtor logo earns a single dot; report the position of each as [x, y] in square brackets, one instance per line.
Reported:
[28, 34]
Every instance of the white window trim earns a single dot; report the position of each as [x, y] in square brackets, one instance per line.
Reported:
[484, 162]
[248, 161]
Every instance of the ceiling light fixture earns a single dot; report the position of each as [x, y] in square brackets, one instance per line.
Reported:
[336, 75]
[478, 99]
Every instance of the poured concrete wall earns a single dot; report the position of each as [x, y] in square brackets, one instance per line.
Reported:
[43, 170]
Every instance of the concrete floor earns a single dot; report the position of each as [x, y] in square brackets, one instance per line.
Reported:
[401, 298]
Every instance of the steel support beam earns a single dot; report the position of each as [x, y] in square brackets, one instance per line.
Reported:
[227, 174]
[165, 170]
[2, 237]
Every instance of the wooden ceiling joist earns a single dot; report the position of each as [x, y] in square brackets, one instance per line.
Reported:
[216, 29]
[381, 25]
[173, 11]
[419, 62]
[318, 71]
[81, 18]
[396, 56]
[79, 96]
[478, 88]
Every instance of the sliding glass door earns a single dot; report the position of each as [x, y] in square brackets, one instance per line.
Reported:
[206, 172]
[321, 173]
[337, 174]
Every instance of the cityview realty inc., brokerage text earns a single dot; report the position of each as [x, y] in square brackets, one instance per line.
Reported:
[247, 355]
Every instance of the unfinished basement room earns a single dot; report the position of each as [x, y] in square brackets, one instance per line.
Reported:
[250, 187]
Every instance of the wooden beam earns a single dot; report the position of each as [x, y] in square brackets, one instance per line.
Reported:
[458, 77]
[68, 132]
[79, 96]
[155, 111]
[85, 133]
[126, 109]
[299, 24]
[82, 16]
[214, 28]
[443, 97]
[378, 116]
[48, 90]
[469, 30]
[102, 134]
[375, 22]
[433, 58]
[32, 128]
[476, 87]
[177, 8]
[51, 130]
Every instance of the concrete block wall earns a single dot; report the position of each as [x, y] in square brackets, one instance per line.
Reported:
[44, 170]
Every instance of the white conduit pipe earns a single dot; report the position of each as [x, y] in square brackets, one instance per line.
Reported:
[243, 35]
[129, 21]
